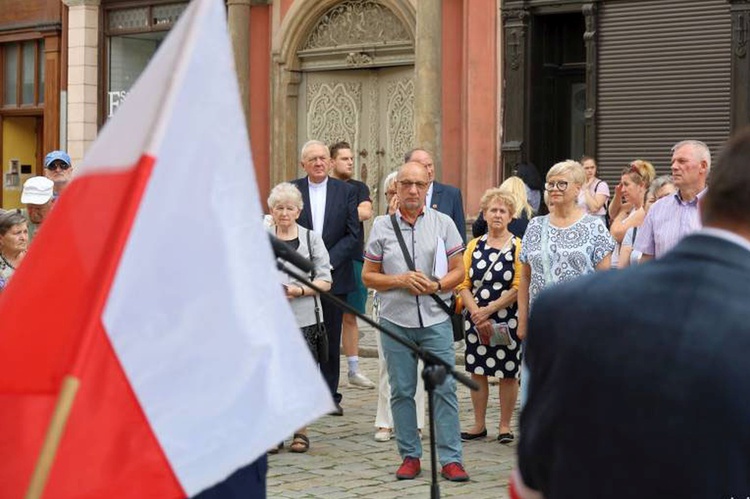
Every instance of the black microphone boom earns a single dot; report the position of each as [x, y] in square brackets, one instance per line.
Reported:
[282, 251]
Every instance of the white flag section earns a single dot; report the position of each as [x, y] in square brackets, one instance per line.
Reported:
[196, 315]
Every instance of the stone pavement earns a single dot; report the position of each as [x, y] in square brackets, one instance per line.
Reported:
[345, 461]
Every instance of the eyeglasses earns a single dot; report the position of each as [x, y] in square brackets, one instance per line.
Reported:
[408, 184]
[559, 185]
[58, 166]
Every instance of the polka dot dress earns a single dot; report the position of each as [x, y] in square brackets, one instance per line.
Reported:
[497, 361]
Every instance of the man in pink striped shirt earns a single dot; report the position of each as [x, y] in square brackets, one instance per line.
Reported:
[673, 217]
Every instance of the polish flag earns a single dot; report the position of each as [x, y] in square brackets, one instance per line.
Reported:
[149, 304]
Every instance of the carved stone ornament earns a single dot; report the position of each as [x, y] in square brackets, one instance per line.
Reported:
[357, 59]
[519, 14]
[356, 22]
[515, 48]
[741, 34]
[333, 112]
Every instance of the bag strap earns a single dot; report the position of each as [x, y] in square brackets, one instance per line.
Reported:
[410, 262]
[312, 276]
[489, 267]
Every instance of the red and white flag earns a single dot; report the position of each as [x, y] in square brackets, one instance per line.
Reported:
[153, 288]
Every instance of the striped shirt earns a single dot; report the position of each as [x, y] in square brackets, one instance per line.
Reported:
[667, 222]
[397, 305]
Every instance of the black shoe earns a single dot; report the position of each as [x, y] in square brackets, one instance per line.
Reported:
[505, 438]
[339, 411]
[465, 436]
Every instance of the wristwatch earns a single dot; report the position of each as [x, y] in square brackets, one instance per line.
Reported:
[440, 286]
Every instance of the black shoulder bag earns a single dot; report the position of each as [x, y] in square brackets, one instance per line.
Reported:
[457, 320]
[316, 335]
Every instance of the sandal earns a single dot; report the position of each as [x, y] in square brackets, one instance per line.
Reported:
[275, 450]
[505, 438]
[300, 443]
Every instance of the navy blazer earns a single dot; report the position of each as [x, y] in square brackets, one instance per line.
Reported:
[639, 379]
[340, 229]
[447, 199]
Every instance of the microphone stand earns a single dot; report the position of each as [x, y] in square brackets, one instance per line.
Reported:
[434, 374]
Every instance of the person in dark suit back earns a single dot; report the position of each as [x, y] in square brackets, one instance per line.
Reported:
[640, 377]
[441, 197]
[330, 209]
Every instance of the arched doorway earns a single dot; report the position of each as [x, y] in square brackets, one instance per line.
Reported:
[346, 74]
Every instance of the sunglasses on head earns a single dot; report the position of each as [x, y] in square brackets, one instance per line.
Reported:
[58, 165]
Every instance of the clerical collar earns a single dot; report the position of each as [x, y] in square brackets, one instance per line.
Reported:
[320, 185]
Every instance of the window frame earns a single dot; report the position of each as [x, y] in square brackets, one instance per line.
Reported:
[38, 84]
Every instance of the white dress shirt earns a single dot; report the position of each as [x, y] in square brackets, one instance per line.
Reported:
[318, 204]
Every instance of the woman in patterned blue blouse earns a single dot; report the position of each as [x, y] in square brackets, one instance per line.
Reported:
[561, 246]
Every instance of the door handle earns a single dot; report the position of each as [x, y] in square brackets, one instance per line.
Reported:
[363, 153]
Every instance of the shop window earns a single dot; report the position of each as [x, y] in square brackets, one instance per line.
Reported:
[132, 37]
[22, 74]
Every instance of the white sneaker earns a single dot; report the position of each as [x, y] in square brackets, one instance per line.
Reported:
[360, 380]
[383, 434]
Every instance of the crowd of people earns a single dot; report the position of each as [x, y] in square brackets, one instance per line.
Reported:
[19, 227]
[529, 236]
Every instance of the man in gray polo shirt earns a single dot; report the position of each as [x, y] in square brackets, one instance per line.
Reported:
[407, 309]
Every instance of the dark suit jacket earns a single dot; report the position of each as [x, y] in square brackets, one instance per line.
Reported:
[447, 199]
[340, 229]
[640, 380]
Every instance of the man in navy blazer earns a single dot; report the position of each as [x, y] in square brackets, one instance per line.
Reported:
[330, 209]
[441, 197]
[640, 377]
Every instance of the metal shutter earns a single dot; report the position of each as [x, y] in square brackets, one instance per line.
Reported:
[664, 76]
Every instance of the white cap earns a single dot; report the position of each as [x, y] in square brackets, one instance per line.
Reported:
[37, 190]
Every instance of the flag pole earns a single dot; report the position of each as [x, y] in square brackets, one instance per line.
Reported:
[63, 406]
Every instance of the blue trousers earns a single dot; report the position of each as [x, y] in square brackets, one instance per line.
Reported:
[402, 373]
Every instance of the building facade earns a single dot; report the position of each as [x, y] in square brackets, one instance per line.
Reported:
[621, 79]
[32, 81]
[484, 84]
[385, 75]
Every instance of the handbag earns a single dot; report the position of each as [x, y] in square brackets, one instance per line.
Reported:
[457, 319]
[316, 334]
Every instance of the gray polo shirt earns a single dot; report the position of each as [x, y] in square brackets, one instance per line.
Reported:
[397, 305]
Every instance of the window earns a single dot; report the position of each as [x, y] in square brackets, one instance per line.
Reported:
[132, 37]
[22, 74]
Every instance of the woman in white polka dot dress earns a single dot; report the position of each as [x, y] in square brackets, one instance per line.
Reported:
[489, 296]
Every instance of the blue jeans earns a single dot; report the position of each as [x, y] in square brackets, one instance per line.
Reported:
[402, 372]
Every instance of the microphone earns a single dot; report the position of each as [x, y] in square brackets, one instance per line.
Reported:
[283, 252]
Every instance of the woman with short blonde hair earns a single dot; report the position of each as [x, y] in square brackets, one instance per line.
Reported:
[489, 294]
[522, 211]
[561, 246]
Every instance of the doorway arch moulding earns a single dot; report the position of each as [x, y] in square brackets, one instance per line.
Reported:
[312, 37]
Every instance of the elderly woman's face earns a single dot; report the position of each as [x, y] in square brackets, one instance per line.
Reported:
[562, 190]
[285, 213]
[498, 215]
[15, 239]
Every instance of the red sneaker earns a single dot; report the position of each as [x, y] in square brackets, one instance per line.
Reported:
[454, 472]
[409, 469]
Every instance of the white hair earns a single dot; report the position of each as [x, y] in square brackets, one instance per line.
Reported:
[700, 149]
[285, 192]
[308, 145]
[389, 180]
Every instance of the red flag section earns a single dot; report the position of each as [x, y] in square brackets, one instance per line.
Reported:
[70, 270]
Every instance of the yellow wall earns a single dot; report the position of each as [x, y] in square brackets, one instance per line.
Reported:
[19, 141]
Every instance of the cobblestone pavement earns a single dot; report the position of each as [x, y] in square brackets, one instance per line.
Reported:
[345, 461]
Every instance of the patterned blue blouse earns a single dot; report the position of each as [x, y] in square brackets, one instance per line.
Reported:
[570, 252]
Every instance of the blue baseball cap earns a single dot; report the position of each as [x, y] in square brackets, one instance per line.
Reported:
[57, 156]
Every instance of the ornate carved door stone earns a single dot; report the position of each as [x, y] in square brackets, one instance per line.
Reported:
[373, 110]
